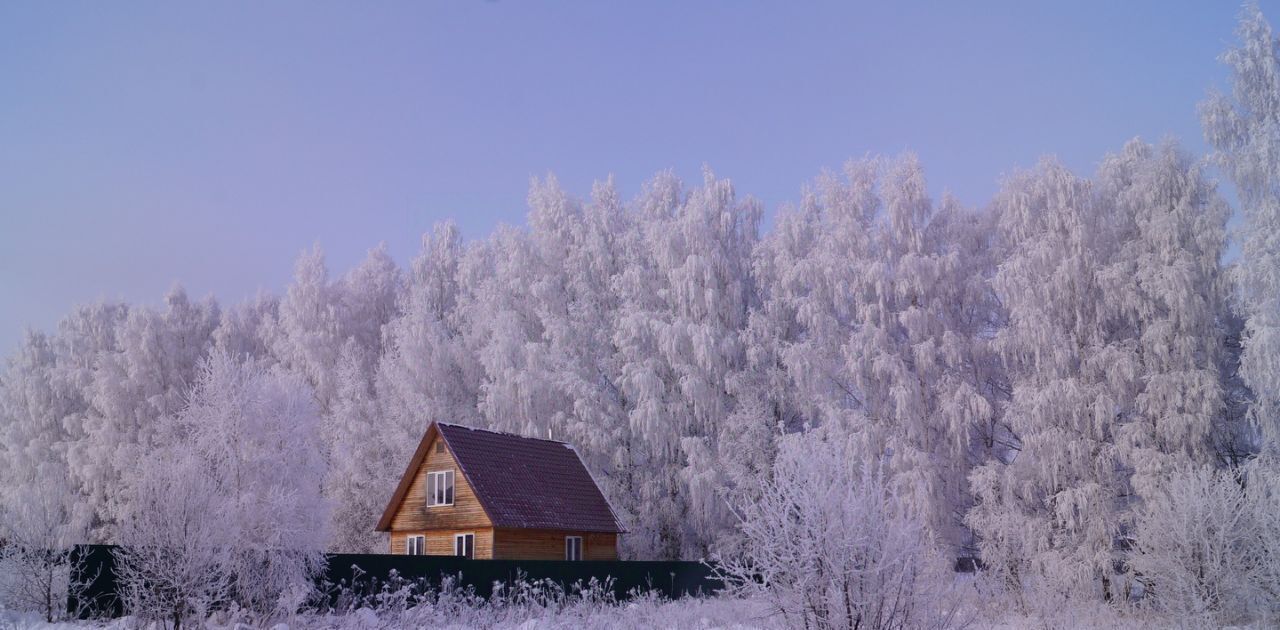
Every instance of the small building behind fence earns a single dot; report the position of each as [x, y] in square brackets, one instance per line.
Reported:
[488, 495]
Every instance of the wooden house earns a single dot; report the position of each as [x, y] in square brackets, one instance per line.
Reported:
[488, 495]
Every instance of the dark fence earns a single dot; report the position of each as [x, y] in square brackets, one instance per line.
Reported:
[95, 564]
[93, 568]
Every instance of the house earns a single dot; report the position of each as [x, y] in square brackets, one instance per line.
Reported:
[489, 495]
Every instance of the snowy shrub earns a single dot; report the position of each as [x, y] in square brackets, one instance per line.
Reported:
[171, 564]
[546, 606]
[828, 545]
[369, 602]
[229, 518]
[38, 527]
[1205, 550]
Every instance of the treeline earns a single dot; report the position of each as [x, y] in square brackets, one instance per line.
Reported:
[1030, 374]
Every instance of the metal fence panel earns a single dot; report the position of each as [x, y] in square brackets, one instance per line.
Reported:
[672, 579]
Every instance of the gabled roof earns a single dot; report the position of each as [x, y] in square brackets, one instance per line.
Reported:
[521, 482]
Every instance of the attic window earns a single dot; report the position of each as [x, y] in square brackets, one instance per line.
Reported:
[440, 488]
[439, 446]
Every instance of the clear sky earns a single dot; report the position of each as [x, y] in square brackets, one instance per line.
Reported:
[207, 143]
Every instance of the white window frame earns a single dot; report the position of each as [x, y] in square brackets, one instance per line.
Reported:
[463, 537]
[433, 488]
[418, 549]
[569, 551]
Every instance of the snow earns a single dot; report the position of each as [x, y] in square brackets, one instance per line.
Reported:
[695, 614]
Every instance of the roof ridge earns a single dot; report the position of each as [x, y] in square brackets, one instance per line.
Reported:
[504, 433]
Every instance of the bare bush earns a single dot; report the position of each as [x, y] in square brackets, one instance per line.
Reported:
[829, 545]
[230, 518]
[38, 528]
[1205, 549]
[172, 562]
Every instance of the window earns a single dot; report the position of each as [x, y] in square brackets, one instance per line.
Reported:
[573, 547]
[439, 446]
[464, 545]
[440, 488]
[415, 546]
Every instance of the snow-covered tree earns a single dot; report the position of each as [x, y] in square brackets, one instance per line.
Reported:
[368, 299]
[582, 343]
[356, 437]
[1245, 128]
[424, 374]
[919, 354]
[1114, 348]
[34, 402]
[83, 337]
[306, 334]
[241, 331]
[686, 294]
[1049, 506]
[256, 433]
[1164, 291]
[360, 471]
[883, 314]
[145, 379]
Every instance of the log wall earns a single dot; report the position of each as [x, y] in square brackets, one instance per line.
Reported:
[413, 515]
[547, 544]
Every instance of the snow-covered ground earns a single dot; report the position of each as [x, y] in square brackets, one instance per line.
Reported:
[716, 613]
[697, 614]
[691, 613]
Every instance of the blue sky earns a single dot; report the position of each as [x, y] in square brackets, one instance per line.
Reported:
[143, 144]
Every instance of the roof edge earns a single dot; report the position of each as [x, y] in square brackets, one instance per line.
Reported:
[420, 455]
[617, 522]
[406, 479]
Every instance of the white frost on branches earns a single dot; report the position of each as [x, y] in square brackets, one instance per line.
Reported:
[1245, 128]
[829, 545]
[231, 513]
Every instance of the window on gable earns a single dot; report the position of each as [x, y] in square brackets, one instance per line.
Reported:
[439, 446]
[573, 547]
[415, 545]
[440, 488]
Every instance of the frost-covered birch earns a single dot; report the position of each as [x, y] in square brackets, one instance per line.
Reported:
[1244, 127]
[1048, 507]
[1164, 290]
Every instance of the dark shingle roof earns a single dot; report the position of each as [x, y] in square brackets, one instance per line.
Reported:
[529, 483]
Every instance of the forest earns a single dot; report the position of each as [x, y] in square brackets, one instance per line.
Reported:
[1076, 387]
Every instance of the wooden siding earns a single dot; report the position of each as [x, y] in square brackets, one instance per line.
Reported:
[547, 544]
[413, 515]
[440, 541]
